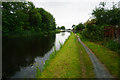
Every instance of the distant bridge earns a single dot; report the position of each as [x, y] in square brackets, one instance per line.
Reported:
[66, 30]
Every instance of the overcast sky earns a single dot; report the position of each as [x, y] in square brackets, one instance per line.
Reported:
[69, 12]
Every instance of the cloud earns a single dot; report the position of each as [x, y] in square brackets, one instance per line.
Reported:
[69, 12]
[75, 0]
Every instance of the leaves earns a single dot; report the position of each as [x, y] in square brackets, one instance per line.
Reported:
[79, 27]
[106, 16]
[21, 16]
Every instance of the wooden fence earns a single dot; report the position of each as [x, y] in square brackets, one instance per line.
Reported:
[109, 32]
[112, 32]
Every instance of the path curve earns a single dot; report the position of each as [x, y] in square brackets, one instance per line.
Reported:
[99, 68]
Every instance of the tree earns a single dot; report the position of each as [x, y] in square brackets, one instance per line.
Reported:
[73, 26]
[58, 27]
[79, 27]
[23, 16]
[48, 22]
[106, 16]
[62, 27]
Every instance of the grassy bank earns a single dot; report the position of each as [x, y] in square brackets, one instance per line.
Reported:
[71, 61]
[111, 44]
[105, 55]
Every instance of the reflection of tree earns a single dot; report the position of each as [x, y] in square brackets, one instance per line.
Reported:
[63, 33]
[20, 52]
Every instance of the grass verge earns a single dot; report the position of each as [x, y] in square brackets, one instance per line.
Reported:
[105, 55]
[71, 61]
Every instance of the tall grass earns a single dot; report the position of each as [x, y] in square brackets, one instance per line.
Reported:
[38, 72]
[112, 45]
[60, 44]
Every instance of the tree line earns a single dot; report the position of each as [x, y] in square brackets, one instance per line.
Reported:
[24, 16]
[93, 30]
[62, 27]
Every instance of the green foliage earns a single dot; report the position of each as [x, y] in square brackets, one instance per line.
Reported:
[55, 50]
[62, 27]
[58, 27]
[93, 32]
[79, 27]
[106, 16]
[47, 20]
[94, 28]
[22, 16]
[73, 26]
[38, 72]
[64, 66]
[112, 45]
[57, 31]
[61, 44]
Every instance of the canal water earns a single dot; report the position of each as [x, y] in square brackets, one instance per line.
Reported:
[21, 56]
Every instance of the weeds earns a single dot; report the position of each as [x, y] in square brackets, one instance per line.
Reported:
[55, 50]
[52, 55]
[110, 44]
[113, 45]
[38, 72]
[60, 44]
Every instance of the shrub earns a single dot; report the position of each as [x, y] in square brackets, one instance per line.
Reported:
[113, 45]
[93, 32]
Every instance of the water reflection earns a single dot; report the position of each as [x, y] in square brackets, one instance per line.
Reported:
[21, 56]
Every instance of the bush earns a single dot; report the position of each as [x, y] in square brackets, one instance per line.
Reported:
[93, 32]
[79, 27]
[113, 45]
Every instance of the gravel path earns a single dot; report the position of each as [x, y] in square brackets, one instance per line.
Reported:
[99, 68]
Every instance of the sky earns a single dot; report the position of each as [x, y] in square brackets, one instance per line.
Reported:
[69, 12]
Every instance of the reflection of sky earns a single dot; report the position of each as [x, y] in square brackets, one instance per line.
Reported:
[69, 12]
[60, 39]
[30, 71]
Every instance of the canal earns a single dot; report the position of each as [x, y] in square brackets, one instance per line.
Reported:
[21, 56]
